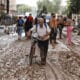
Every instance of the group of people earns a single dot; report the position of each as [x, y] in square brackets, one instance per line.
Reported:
[24, 24]
[45, 31]
[57, 25]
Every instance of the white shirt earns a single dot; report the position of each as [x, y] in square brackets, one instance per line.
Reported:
[41, 31]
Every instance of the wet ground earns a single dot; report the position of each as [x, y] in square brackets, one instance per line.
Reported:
[63, 61]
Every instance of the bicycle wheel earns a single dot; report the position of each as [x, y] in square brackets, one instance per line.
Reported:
[32, 52]
[30, 59]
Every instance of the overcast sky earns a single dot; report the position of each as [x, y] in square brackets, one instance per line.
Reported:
[33, 2]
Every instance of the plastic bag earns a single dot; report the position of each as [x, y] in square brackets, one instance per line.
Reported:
[23, 34]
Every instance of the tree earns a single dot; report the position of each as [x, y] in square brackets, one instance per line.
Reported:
[56, 5]
[74, 6]
[7, 6]
[23, 8]
[51, 6]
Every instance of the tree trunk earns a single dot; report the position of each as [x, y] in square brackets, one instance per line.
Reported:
[7, 6]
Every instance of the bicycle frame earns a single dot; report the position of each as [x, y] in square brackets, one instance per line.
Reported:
[32, 51]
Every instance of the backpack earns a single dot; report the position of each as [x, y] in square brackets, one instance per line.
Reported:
[44, 25]
[20, 22]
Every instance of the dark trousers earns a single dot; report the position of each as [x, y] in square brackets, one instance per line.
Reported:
[43, 45]
[60, 26]
[53, 35]
[79, 31]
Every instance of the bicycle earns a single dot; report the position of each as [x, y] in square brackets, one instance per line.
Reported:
[32, 50]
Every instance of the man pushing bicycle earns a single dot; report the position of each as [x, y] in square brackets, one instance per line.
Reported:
[42, 31]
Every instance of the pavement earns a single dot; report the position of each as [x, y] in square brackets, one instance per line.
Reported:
[63, 61]
[6, 40]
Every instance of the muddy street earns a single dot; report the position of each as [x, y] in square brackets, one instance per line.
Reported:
[63, 62]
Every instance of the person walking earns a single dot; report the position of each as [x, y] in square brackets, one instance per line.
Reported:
[69, 30]
[30, 21]
[78, 26]
[43, 33]
[20, 28]
[29, 24]
[53, 26]
[60, 25]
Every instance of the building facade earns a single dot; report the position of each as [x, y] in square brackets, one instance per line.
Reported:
[3, 6]
[12, 7]
[8, 6]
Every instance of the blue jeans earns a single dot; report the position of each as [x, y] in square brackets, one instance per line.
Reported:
[20, 30]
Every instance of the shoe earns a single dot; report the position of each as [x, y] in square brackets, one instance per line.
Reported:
[56, 42]
[43, 63]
